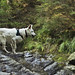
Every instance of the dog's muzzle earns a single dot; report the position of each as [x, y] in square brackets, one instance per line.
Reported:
[33, 35]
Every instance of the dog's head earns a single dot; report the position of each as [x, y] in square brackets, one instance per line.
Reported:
[30, 31]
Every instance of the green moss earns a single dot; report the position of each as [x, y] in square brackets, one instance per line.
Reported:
[61, 58]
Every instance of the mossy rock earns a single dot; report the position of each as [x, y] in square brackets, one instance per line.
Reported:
[71, 57]
[71, 62]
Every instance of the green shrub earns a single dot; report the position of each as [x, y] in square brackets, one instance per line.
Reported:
[31, 46]
[64, 47]
[40, 47]
[73, 45]
[72, 13]
[67, 46]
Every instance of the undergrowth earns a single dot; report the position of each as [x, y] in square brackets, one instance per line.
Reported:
[53, 20]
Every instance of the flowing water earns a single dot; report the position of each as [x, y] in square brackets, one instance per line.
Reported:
[26, 63]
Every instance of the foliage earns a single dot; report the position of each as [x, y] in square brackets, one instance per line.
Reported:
[67, 46]
[72, 45]
[38, 46]
[54, 22]
[55, 19]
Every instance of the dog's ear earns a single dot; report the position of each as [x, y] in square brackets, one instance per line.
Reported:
[30, 26]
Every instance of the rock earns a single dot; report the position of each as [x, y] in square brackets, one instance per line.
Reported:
[51, 67]
[45, 63]
[4, 73]
[37, 55]
[36, 73]
[71, 67]
[18, 67]
[24, 73]
[29, 59]
[64, 72]
[6, 68]
[12, 66]
[13, 73]
[49, 56]
[3, 69]
[31, 64]
[28, 73]
[22, 69]
[27, 54]
[71, 62]
[72, 57]
[36, 62]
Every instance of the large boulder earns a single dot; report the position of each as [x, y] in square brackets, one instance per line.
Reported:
[71, 62]
[72, 57]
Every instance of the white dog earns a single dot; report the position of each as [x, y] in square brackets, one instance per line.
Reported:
[12, 36]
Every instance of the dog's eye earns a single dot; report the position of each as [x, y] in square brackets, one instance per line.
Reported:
[32, 31]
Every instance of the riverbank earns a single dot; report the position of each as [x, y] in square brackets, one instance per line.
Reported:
[26, 63]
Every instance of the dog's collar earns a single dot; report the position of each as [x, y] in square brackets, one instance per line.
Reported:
[26, 33]
[18, 34]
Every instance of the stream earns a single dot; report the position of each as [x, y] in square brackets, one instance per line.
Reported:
[26, 63]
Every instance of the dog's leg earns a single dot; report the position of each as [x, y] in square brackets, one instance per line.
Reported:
[3, 41]
[4, 47]
[13, 45]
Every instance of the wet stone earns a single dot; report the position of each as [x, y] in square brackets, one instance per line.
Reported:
[13, 73]
[45, 63]
[37, 74]
[12, 62]
[30, 64]
[4, 60]
[64, 72]
[3, 56]
[18, 67]
[6, 68]
[1, 66]
[37, 55]
[22, 69]
[28, 73]
[27, 54]
[29, 59]
[4, 73]
[3, 69]
[51, 67]
[36, 62]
